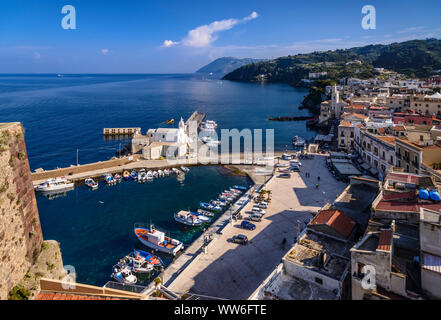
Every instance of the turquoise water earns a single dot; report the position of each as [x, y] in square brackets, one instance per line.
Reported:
[63, 114]
[95, 228]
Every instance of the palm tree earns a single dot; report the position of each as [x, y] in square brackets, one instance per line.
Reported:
[268, 193]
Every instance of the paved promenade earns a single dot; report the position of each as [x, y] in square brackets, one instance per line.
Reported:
[234, 271]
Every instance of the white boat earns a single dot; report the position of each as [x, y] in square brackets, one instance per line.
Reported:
[175, 171]
[187, 218]
[157, 240]
[166, 172]
[209, 140]
[206, 213]
[298, 141]
[55, 184]
[149, 175]
[124, 275]
[185, 169]
[161, 173]
[91, 184]
[155, 174]
[141, 175]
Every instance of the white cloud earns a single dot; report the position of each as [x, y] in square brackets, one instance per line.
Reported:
[105, 51]
[205, 35]
[169, 43]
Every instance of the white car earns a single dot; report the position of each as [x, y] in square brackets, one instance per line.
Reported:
[262, 205]
[258, 210]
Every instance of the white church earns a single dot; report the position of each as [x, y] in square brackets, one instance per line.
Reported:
[331, 109]
[162, 142]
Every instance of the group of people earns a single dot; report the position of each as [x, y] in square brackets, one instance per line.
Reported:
[308, 175]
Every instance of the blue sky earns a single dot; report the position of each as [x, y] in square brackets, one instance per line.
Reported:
[129, 36]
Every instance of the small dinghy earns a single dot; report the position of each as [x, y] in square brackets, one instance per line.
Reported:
[91, 183]
[118, 178]
[134, 175]
[126, 175]
[205, 213]
[185, 169]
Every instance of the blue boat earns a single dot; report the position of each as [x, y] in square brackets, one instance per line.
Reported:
[240, 188]
[134, 175]
[150, 258]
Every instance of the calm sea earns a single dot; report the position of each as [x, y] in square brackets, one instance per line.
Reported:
[63, 114]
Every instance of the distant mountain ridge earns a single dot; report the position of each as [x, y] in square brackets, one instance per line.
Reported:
[415, 58]
[225, 65]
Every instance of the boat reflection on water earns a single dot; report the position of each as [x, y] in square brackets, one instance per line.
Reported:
[54, 194]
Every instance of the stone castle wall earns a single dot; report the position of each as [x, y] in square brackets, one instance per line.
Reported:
[20, 231]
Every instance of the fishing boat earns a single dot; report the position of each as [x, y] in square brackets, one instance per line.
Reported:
[166, 172]
[155, 174]
[161, 173]
[117, 177]
[141, 175]
[298, 141]
[54, 185]
[126, 175]
[185, 169]
[91, 184]
[175, 171]
[149, 175]
[210, 207]
[170, 121]
[134, 175]
[141, 262]
[202, 217]
[157, 240]
[187, 218]
[206, 213]
[124, 275]
[109, 179]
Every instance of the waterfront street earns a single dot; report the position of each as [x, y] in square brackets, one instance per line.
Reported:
[234, 271]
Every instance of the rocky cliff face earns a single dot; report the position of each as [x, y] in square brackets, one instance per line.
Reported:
[20, 231]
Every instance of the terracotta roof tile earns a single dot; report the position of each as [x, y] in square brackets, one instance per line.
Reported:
[385, 241]
[336, 220]
[344, 123]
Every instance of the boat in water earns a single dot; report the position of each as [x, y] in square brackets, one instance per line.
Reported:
[134, 175]
[117, 177]
[185, 169]
[108, 178]
[161, 173]
[298, 141]
[242, 188]
[55, 185]
[149, 175]
[187, 218]
[208, 125]
[210, 207]
[92, 184]
[170, 121]
[175, 171]
[155, 239]
[166, 172]
[141, 262]
[126, 175]
[205, 213]
[123, 274]
[141, 176]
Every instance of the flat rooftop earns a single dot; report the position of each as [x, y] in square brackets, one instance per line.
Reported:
[307, 252]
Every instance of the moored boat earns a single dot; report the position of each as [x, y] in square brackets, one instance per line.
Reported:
[187, 218]
[117, 177]
[134, 175]
[91, 183]
[126, 175]
[185, 169]
[55, 185]
[149, 175]
[155, 239]
[298, 141]
[206, 213]
[123, 274]
[109, 179]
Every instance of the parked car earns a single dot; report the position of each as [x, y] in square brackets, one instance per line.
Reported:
[240, 238]
[262, 205]
[295, 169]
[258, 210]
[247, 225]
[285, 175]
[255, 217]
